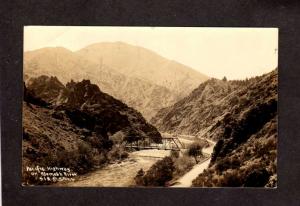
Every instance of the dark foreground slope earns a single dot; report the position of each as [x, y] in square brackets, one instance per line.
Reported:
[75, 125]
[242, 117]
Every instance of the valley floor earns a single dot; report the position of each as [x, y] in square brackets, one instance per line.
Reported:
[121, 174]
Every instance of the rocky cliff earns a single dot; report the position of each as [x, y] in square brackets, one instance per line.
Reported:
[76, 125]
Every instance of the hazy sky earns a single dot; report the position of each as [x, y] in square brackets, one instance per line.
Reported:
[236, 53]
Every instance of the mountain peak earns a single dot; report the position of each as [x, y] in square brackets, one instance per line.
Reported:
[136, 75]
[139, 62]
[51, 49]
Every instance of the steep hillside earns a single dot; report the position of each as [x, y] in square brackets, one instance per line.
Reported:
[73, 125]
[242, 117]
[251, 162]
[198, 110]
[144, 96]
[137, 76]
[85, 98]
[205, 107]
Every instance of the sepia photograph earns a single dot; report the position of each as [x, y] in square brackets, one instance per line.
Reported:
[112, 106]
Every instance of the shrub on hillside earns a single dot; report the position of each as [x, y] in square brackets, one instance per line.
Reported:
[139, 181]
[81, 119]
[159, 173]
[231, 179]
[174, 154]
[227, 163]
[80, 160]
[204, 179]
[257, 178]
[131, 135]
[117, 137]
[117, 153]
[238, 132]
[217, 150]
[99, 142]
[208, 178]
[182, 165]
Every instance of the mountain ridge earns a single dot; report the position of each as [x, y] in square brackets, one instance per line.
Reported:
[153, 82]
[117, 54]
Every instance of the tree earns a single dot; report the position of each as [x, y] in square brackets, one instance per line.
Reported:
[174, 154]
[195, 150]
[131, 135]
[139, 177]
[224, 79]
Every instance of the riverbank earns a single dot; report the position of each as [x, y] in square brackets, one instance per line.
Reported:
[119, 174]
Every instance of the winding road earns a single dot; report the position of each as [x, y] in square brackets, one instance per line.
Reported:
[187, 179]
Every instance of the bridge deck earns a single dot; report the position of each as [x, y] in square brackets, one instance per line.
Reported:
[168, 143]
[151, 147]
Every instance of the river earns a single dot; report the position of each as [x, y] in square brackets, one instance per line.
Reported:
[121, 174]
